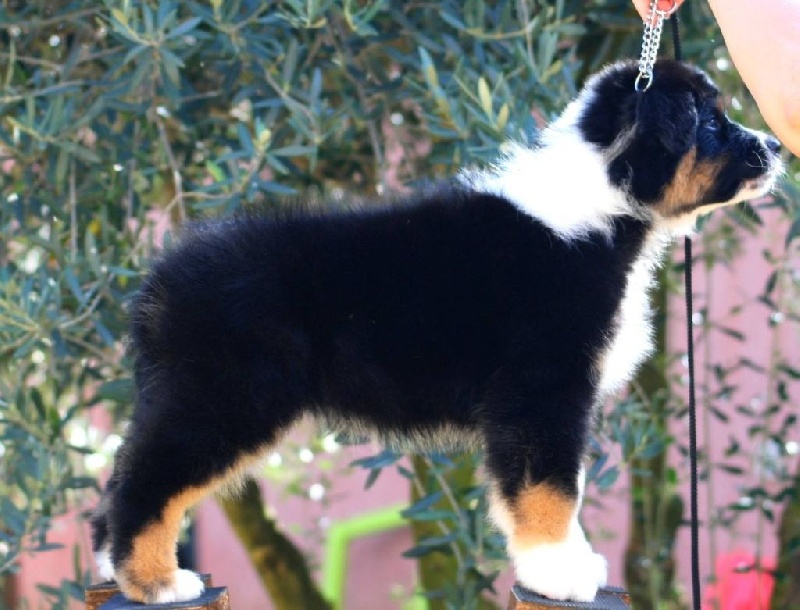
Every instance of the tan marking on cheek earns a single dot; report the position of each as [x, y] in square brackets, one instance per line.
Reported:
[540, 514]
[693, 180]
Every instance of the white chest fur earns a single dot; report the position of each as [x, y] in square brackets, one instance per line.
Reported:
[533, 178]
[631, 337]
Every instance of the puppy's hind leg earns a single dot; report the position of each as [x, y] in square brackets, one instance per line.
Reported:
[173, 456]
[536, 487]
[162, 479]
[144, 540]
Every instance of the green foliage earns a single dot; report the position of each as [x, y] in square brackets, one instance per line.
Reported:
[460, 553]
[119, 120]
[121, 115]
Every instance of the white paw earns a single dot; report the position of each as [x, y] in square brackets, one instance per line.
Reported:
[568, 570]
[186, 585]
[105, 569]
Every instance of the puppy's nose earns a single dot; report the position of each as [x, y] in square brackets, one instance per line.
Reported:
[773, 144]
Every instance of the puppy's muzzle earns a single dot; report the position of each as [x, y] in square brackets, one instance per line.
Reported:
[768, 160]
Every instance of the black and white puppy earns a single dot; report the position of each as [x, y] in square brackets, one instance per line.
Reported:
[497, 309]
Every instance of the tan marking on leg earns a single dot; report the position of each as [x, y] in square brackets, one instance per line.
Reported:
[539, 514]
[153, 559]
[542, 513]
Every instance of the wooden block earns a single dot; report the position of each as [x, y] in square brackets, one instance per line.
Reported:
[213, 598]
[608, 598]
[97, 595]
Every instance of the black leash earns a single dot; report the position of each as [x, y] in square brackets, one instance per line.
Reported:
[687, 274]
[695, 523]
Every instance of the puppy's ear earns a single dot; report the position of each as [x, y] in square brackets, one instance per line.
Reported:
[671, 119]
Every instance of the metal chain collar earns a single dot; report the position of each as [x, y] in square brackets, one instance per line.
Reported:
[650, 41]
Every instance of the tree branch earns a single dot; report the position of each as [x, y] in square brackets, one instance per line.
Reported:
[280, 565]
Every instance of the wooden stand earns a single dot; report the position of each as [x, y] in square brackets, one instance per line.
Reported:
[608, 598]
[106, 596]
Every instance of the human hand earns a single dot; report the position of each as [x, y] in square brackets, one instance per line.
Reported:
[642, 6]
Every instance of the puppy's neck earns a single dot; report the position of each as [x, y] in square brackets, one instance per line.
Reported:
[562, 182]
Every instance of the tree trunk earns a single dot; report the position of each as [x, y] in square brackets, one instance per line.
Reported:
[8, 592]
[656, 511]
[282, 568]
[787, 584]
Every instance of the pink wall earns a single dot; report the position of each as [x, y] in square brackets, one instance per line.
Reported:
[376, 565]
[729, 287]
[379, 577]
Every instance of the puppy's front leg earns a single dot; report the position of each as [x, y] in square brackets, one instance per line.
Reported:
[536, 488]
[546, 543]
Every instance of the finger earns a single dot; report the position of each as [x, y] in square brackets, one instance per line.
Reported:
[642, 7]
[668, 6]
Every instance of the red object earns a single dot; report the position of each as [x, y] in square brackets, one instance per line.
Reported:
[740, 585]
[668, 6]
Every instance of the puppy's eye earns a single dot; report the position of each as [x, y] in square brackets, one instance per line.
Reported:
[713, 124]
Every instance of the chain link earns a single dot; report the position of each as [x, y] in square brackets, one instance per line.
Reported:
[650, 41]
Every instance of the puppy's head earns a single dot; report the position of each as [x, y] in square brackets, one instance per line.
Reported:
[672, 148]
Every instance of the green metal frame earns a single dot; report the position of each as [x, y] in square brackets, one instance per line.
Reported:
[340, 535]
